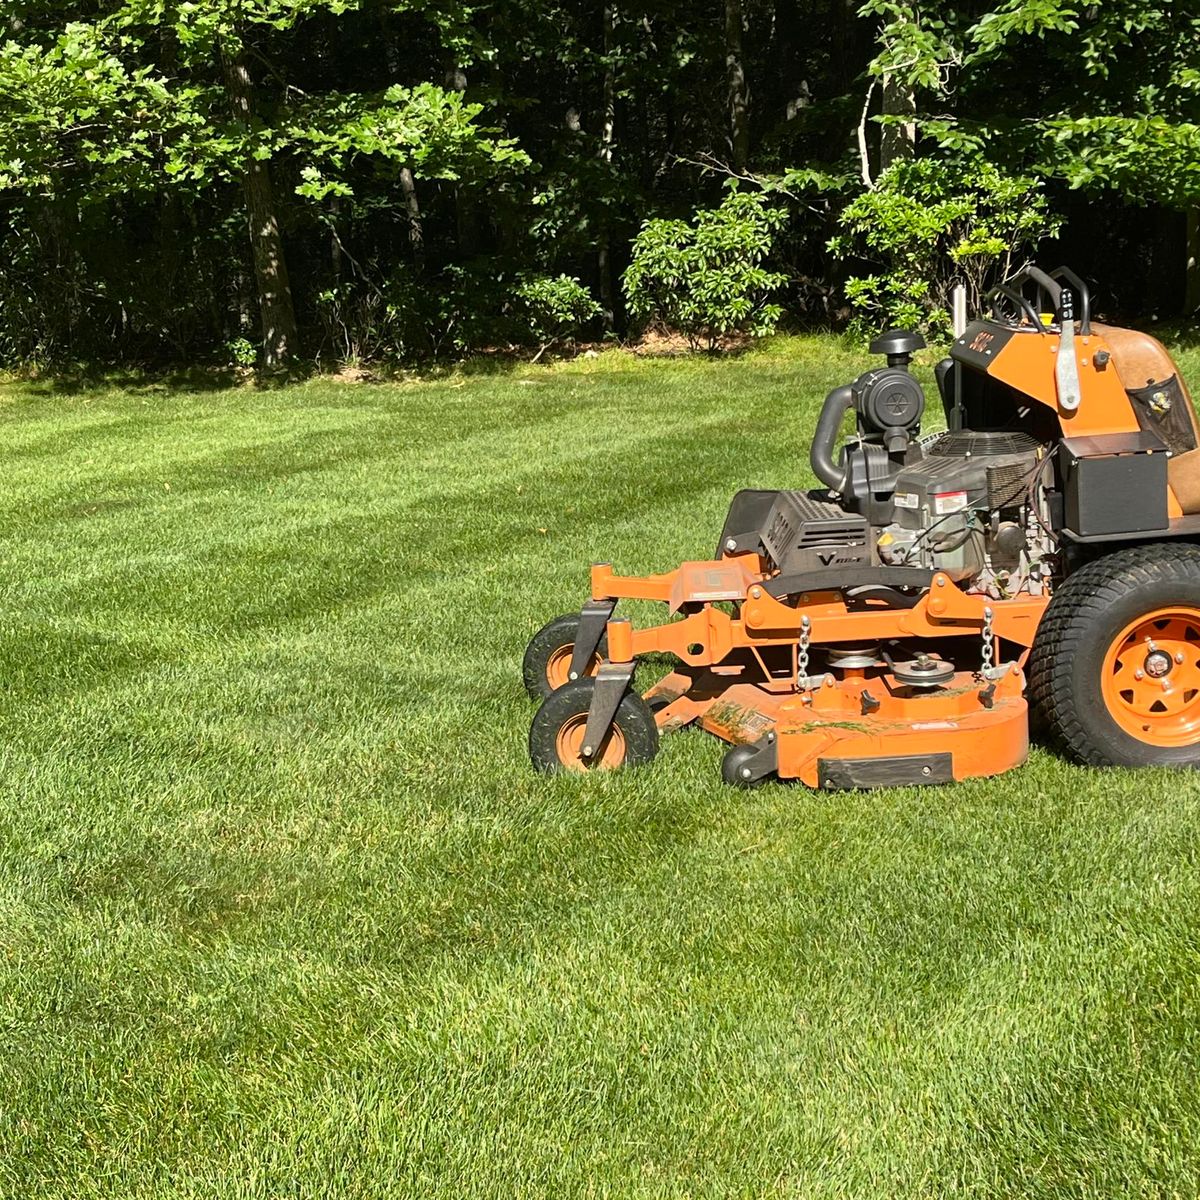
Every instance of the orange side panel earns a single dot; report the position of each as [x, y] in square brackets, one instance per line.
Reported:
[987, 742]
[1026, 362]
[829, 723]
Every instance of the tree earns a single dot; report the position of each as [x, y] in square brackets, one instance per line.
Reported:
[155, 95]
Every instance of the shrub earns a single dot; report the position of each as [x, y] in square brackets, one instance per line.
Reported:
[706, 278]
[929, 224]
[460, 311]
[553, 308]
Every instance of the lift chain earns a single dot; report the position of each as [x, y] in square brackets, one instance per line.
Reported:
[988, 642]
[802, 653]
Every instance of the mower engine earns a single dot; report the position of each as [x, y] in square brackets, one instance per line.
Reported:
[969, 509]
[965, 503]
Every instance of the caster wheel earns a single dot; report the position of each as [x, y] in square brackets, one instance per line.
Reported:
[556, 736]
[547, 663]
[739, 767]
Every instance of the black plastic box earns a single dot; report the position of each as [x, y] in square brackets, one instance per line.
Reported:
[1114, 483]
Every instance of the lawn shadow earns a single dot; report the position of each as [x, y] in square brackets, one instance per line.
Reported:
[72, 382]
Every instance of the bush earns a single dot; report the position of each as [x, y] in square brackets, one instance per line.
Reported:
[706, 278]
[553, 308]
[460, 311]
[929, 224]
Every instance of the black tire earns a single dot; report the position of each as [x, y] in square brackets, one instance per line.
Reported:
[632, 740]
[547, 646]
[1092, 609]
[732, 764]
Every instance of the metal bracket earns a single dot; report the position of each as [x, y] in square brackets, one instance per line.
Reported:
[612, 680]
[593, 617]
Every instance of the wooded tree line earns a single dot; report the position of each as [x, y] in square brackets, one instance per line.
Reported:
[226, 180]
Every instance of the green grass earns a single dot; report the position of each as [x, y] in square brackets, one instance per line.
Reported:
[283, 911]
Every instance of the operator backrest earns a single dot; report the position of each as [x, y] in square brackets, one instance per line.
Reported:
[1162, 403]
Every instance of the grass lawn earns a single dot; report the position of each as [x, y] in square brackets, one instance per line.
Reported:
[283, 910]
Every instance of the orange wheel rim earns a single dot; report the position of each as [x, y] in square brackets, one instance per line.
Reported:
[568, 745]
[1151, 679]
[558, 667]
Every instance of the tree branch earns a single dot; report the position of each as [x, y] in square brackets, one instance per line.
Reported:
[863, 158]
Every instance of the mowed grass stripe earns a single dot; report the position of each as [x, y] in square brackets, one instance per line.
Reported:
[283, 910]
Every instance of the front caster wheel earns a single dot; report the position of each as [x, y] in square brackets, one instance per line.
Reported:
[556, 736]
[732, 765]
[547, 664]
[748, 765]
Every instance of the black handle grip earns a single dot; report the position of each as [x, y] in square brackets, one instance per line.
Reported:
[1046, 284]
[1085, 297]
[1019, 302]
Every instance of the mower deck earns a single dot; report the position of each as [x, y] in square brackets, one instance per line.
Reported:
[858, 731]
[743, 678]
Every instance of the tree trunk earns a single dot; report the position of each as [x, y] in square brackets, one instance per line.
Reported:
[416, 229]
[465, 223]
[270, 265]
[1191, 301]
[900, 140]
[739, 93]
[608, 299]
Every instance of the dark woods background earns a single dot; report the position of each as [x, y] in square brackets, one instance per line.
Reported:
[224, 181]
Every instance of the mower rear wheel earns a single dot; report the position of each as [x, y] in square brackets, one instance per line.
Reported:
[1115, 668]
[547, 663]
[556, 735]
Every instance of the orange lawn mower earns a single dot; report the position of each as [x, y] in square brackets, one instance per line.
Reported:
[879, 631]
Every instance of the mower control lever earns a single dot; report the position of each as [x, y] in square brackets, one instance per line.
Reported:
[1066, 369]
[1085, 297]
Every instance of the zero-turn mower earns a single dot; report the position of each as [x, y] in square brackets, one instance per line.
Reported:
[880, 630]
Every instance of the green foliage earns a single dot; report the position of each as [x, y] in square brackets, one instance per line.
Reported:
[553, 308]
[706, 278]
[424, 159]
[915, 45]
[241, 352]
[1148, 159]
[929, 224]
[465, 309]
[425, 128]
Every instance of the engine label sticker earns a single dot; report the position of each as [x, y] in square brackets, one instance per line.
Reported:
[906, 500]
[949, 502]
